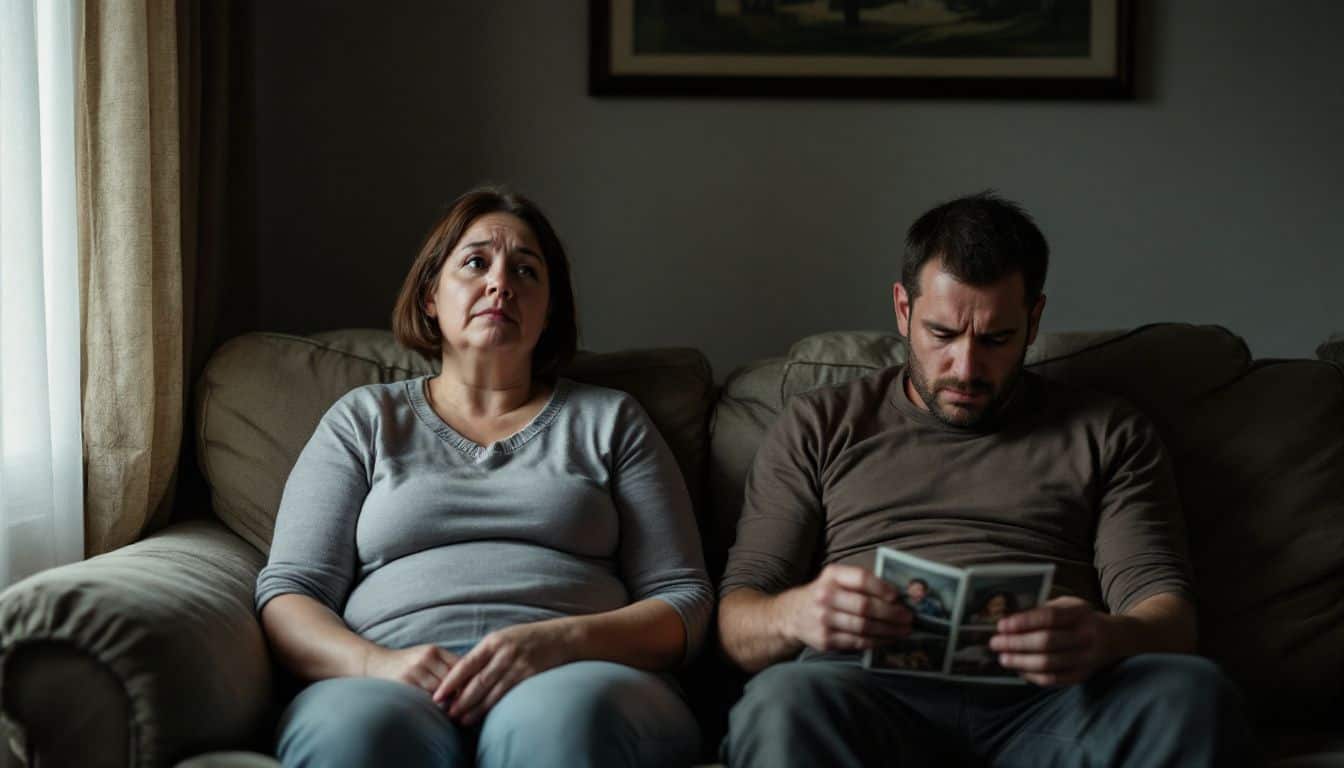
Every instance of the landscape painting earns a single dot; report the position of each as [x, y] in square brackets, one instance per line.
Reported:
[925, 48]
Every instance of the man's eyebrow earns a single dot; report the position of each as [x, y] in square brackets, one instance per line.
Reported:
[940, 328]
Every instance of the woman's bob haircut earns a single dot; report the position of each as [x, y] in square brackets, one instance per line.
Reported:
[415, 329]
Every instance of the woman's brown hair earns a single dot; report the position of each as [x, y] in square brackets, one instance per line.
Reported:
[415, 329]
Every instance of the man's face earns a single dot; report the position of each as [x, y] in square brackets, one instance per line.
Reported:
[966, 343]
[915, 591]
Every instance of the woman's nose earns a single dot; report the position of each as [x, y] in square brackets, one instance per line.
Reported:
[501, 285]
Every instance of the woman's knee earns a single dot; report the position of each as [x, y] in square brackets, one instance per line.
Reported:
[367, 721]
[589, 713]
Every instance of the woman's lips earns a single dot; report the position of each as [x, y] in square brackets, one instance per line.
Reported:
[495, 315]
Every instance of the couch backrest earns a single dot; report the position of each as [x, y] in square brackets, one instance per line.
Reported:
[1259, 455]
[262, 395]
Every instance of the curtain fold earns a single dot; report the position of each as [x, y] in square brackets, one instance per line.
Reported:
[41, 508]
[130, 255]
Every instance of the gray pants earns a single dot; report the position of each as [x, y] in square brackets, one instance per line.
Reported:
[1150, 710]
[590, 713]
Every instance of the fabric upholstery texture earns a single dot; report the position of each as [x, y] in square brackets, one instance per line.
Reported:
[254, 420]
[169, 621]
[1332, 349]
[1261, 469]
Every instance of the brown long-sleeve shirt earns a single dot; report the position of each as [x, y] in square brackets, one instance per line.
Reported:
[1068, 476]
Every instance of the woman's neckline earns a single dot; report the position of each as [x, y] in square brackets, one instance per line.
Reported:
[416, 390]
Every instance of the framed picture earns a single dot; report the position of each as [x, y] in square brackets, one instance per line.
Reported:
[863, 48]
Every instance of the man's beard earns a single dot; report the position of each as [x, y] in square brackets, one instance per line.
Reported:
[963, 418]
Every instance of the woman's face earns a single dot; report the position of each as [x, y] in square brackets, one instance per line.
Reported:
[997, 606]
[493, 291]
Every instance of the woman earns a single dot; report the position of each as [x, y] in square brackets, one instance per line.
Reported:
[489, 565]
[997, 605]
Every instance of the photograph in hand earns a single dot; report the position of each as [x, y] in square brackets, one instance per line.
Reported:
[990, 597]
[930, 591]
[955, 611]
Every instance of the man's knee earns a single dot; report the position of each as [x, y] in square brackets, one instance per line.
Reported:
[1189, 699]
[786, 692]
[1180, 686]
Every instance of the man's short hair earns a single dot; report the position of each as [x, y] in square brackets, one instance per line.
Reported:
[980, 240]
[918, 581]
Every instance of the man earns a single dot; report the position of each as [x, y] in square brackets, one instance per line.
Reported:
[921, 601]
[962, 457]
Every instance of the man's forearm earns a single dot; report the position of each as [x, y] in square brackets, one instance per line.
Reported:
[1163, 623]
[752, 628]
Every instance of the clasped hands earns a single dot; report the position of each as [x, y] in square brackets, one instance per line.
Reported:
[847, 608]
[468, 686]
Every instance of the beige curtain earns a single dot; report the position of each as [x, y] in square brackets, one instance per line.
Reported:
[130, 265]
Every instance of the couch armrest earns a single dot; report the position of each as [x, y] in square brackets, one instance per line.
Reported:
[139, 657]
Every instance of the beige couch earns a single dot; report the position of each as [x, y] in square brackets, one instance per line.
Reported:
[152, 654]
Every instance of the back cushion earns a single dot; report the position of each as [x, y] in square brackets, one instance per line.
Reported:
[1332, 349]
[262, 395]
[1261, 470]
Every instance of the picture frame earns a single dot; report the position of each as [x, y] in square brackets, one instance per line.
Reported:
[1003, 49]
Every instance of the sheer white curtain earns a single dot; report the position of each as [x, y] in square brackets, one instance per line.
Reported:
[41, 485]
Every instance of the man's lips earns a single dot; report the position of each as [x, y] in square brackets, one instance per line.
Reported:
[963, 394]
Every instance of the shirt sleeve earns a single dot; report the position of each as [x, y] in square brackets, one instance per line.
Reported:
[659, 552]
[782, 513]
[313, 550]
[1140, 542]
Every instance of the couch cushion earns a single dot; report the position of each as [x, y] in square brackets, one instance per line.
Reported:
[262, 395]
[1261, 471]
[1332, 349]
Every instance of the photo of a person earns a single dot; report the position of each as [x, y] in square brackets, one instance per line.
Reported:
[995, 606]
[930, 590]
[923, 601]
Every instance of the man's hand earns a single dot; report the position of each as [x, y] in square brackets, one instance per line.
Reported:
[1060, 643]
[846, 608]
[422, 666]
[501, 660]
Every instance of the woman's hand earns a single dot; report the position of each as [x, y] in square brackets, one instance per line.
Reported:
[423, 666]
[500, 661]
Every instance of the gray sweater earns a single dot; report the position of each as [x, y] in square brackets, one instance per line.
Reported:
[414, 534]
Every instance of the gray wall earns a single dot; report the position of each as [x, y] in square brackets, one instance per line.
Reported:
[737, 226]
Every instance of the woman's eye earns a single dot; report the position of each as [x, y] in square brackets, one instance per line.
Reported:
[475, 262]
[526, 271]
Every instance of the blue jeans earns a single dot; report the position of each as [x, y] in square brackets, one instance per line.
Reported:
[590, 713]
[1149, 710]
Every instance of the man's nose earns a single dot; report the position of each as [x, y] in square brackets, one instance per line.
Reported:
[964, 361]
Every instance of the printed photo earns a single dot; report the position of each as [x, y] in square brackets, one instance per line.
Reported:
[930, 590]
[992, 594]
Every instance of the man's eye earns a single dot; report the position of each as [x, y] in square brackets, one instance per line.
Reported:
[995, 341]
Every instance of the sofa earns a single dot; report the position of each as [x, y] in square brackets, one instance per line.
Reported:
[152, 655]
